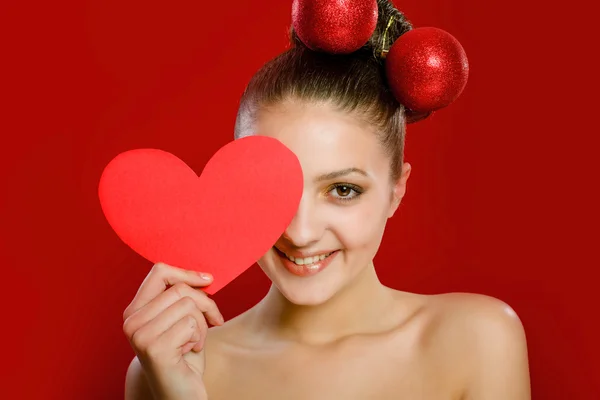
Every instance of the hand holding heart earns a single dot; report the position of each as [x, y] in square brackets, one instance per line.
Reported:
[166, 325]
[221, 222]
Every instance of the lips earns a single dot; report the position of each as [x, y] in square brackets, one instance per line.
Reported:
[303, 260]
[307, 266]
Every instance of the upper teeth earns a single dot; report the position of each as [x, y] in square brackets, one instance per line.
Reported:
[308, 260]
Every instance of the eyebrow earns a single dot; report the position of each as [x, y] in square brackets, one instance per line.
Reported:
[338, 174]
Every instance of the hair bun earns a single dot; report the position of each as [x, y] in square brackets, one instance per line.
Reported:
[376, 30]
[391, 24]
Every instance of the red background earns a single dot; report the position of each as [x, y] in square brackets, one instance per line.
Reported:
[501, 200]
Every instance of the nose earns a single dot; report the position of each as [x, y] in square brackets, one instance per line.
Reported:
[306, 227]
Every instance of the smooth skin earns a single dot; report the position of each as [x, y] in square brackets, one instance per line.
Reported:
[338, 334]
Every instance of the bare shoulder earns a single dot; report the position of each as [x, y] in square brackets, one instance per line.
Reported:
[488, 340]
[136, 384]
[478, 315]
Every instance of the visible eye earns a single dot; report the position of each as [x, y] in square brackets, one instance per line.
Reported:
[345, 191]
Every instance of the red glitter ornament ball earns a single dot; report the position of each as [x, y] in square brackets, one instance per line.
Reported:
[427, 69]
[334, 26]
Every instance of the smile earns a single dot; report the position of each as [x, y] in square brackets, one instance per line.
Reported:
[306, 266]
[307, 260]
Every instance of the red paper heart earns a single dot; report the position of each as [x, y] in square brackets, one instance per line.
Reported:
[221, 222]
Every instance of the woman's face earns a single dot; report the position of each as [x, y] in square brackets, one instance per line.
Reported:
[347, 199]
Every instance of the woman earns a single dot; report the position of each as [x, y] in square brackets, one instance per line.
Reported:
[327, 329]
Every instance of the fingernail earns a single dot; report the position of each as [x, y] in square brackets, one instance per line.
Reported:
[221, 319]
[206, 277]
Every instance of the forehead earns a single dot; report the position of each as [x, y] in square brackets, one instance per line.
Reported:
[322, 137]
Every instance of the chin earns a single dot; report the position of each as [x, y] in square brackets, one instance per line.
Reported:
[310, 289]
[301, 295]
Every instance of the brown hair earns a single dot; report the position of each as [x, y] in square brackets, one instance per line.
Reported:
[355, 83]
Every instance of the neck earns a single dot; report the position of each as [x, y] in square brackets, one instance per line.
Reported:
[358, 308]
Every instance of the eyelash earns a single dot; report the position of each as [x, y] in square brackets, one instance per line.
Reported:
[358, 190]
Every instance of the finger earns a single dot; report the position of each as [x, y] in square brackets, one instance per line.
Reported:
[178, 336]
[198, 346]
[167, 347]
[160, 278]
[172, 295]
[188, 347]
[148, 333]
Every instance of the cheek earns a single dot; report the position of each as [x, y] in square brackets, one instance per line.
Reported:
[360, 226]
[268, 262]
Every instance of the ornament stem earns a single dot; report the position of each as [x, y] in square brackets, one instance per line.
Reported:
[385, 50]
